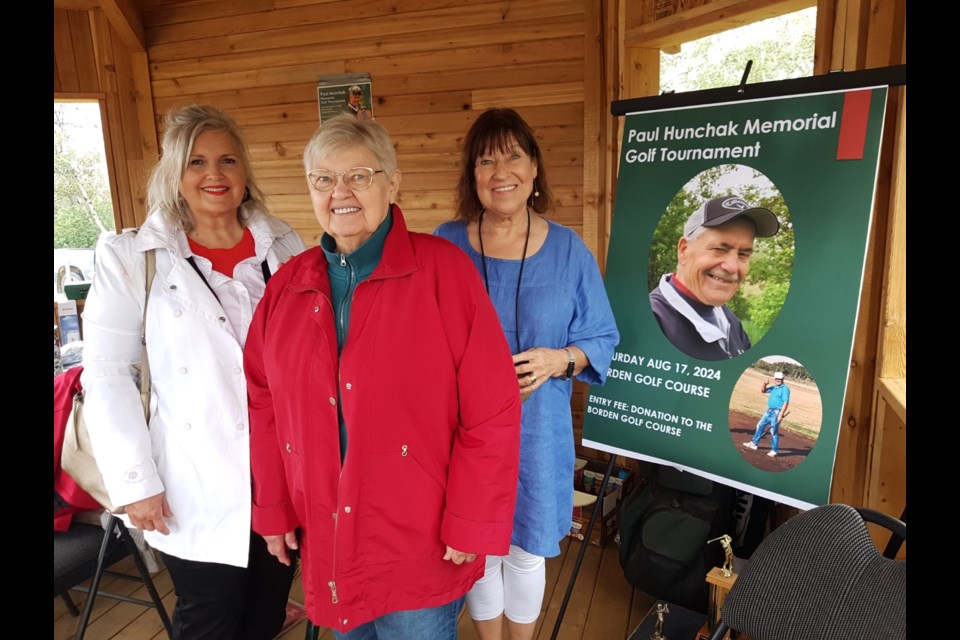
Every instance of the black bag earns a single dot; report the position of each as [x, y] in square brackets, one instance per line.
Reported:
[664, 529]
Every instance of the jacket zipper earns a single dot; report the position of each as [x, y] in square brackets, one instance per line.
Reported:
[336, 525]
[332, 584]
[350, 285]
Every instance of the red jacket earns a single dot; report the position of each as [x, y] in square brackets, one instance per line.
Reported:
[65, 387]
[432, 410]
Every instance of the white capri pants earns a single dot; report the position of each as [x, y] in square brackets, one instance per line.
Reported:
[512, 585]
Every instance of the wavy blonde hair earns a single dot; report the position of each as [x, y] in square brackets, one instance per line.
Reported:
[183, 126]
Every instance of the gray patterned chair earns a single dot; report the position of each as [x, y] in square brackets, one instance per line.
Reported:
[820, 575]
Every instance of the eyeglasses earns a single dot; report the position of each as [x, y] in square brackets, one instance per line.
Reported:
[356, 179]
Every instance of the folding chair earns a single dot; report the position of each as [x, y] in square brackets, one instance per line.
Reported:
[85, 551]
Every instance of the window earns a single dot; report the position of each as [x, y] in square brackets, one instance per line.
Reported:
[780, 48]
[82, 205]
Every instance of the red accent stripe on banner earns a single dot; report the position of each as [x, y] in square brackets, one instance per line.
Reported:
[853, 124]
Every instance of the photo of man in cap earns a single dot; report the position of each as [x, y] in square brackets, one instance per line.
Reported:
[355, 103]
[713, 259]
[778, 404]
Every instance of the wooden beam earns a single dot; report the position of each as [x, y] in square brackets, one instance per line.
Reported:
[641, 72]
[892, 346]
[594, 102]
[124, 17]
[706, 20]
[77, 5]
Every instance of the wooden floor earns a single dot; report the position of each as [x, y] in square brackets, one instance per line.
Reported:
[603, 606]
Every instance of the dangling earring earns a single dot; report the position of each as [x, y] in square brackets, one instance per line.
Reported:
[246, 194]
[536, 192]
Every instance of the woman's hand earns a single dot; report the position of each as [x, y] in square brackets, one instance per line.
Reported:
[150, 514]
[278, 546]
[458, 557]
[535, 366]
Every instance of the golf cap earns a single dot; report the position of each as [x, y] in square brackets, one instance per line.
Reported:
[356, 90]
[719, 211]
[778, 375]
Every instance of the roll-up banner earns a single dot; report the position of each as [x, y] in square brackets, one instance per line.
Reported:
[735, 265]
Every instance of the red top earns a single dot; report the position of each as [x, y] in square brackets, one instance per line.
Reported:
[225, 260]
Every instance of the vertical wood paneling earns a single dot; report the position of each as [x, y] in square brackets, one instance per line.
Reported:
[63, 52]
[892, 349]
[594, 101]
[83, 51]
[89, 57]
[823, 52]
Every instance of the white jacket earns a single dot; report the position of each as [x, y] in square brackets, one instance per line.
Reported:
[197, 447]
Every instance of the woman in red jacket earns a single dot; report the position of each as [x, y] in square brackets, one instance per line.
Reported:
[384, 408]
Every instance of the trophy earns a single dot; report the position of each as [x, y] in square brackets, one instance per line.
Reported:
[662, 610]
[721, 580]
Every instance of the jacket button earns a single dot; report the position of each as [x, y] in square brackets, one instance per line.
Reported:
[187, 426]
[222, 319]
[334, 515]
[349, 386]
[237, 370]
[347, 509]
[173, 287]
[132, 475]
[289, 448]
[345, 621]
[183, 370]
[316, 309]
[333, 400]
[177, 313]
[239, 426]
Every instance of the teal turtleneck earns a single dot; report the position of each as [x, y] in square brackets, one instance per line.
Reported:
[346, 271]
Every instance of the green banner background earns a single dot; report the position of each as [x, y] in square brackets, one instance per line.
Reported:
[829, 203]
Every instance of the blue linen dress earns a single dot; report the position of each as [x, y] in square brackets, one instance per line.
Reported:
[562, 303]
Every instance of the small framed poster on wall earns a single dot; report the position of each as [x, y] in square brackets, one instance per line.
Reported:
[345, 93]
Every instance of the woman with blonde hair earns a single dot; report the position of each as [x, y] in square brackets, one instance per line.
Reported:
[185, 477]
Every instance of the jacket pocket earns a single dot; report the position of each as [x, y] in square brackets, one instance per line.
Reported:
[402, 505]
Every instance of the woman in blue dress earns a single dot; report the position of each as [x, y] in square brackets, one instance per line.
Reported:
[547, 289]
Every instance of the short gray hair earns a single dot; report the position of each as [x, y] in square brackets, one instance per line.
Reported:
[343, 131]
[184, 125]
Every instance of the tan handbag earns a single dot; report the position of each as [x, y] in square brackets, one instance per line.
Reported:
[77, 458]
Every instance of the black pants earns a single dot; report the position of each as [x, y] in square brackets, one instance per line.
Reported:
[221, 602]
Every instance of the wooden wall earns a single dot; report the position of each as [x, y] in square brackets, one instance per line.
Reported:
[93, 61]
[435, 65]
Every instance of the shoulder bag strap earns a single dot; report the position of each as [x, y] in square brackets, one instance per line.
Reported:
[150, 257]
[266, 271]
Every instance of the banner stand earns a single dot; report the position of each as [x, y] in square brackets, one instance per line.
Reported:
[834, 81]
[597, 506]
